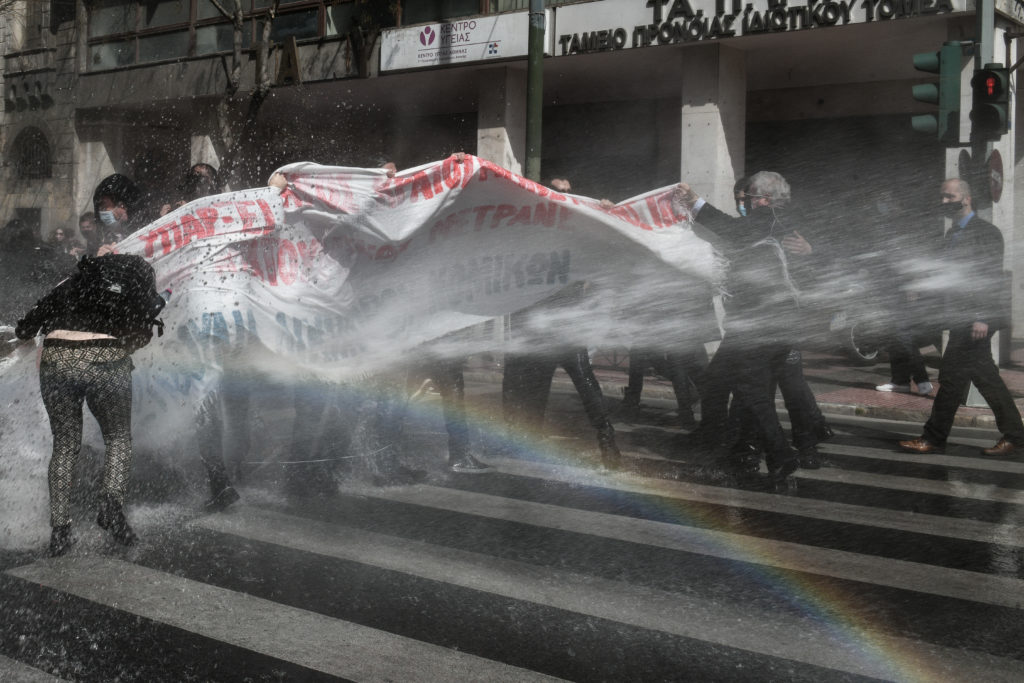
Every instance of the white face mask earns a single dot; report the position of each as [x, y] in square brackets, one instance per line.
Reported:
[107, 217]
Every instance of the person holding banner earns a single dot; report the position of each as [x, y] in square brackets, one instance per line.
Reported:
[762, 307]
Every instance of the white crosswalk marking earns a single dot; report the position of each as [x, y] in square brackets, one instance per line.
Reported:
[713, 527]
[16, 672]
[644, 607]
[312, 640]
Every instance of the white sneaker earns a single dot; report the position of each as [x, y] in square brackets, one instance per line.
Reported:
[924, 388]
[896, 388]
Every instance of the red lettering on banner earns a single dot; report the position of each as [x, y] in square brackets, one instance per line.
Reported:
[191, 228]
[179, 239]
[268, 215]
[287, 262]
[436, 175]
[546, 214]
[149, 239]
[393, 191]
[208, 216]
[655, 209]
[247, 216]
[481, 215]
[501, 213]
[524, 217]
[165, 238]
[451, 171]
[421, 185]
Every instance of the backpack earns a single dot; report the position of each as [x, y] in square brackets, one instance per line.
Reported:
[121, 288]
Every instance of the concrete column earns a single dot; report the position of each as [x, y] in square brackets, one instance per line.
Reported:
[501, 118]
[714, 119]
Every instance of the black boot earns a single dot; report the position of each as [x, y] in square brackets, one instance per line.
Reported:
[60, 540]
[222, 500]
[111, 518]
[611, 458]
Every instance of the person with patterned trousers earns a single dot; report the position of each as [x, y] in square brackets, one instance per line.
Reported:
[973, 263]
[86, 358]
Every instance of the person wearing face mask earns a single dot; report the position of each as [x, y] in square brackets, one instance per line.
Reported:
[117, 203]
[973, 261]
[762, 307]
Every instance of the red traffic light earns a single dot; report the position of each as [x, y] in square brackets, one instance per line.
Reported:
[990, 85]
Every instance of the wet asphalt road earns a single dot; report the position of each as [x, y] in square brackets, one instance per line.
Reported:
[878, 566]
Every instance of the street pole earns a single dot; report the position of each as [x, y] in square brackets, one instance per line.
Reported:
[535, 90]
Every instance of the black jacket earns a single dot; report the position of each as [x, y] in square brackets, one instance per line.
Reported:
[761, 299]
[976, 292]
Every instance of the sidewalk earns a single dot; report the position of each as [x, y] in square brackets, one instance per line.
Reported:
[841, 388]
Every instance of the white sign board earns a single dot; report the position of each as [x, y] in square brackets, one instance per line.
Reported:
[619, 24]
[473, 39]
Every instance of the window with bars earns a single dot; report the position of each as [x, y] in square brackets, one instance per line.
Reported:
[30, 155]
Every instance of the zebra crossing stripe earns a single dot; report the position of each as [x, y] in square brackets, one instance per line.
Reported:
[12, 670]
[894, 482]
[682, 615]
[952, 461]
[942, 581]
[916, 522]
[332, 646]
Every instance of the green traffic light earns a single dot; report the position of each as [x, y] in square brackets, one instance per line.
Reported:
[946, 63]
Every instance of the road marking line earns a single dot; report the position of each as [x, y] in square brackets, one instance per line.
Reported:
[780, 634]
[312, 640]
[841, 564]
[13, 670]
[950, 527]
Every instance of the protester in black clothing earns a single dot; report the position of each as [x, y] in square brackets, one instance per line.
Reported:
[86, 357]
[526, 382]
[974, 310]
[762, 306]
[117, 202]
[737, 430]
[684, 370]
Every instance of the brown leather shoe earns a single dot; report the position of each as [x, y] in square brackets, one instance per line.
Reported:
[921, 445]
[1004, 447]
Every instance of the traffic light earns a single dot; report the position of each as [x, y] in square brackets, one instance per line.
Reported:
[946, 93]
[991, 102]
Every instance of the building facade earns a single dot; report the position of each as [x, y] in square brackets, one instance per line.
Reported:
[638, 94]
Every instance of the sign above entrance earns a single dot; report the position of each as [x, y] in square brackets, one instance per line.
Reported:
[619, 24]
[473, 39]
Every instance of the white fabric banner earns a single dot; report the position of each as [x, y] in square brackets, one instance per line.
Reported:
[349, 272]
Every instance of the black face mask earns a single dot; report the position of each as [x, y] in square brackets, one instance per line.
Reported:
[765, 221]
[951, 209]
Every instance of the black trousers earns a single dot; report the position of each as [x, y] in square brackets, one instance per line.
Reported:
[679, 368]
[787, 374]
[526, 385]
[966, 361]
[905, 360]
[752, 379]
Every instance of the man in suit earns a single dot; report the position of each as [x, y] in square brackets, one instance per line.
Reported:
[973, 257]
[762, 307]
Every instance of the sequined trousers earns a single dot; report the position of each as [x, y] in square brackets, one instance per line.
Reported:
[97, 373]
